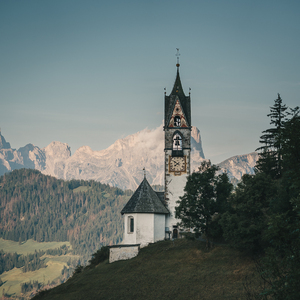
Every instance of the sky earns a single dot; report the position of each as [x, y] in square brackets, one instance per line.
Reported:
[91, 72]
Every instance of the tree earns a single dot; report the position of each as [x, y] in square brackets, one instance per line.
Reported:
[243, 224]
[291, 148]
[270, 161]
[205, 196]
[280, 267]
[99, 256]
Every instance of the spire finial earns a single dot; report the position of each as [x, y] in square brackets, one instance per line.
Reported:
[177, 54]
[144, 172]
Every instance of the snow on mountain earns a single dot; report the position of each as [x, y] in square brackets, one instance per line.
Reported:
[56, 154]
[33, 157]
[237, 166]
[122, 163]
[119, 165]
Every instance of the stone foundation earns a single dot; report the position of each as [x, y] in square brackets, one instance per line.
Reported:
[123, 252]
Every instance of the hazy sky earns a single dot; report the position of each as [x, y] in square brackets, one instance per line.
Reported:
[91, 72]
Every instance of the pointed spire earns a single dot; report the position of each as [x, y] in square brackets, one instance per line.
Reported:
[177, 88]
[177, 93]
[177, 54]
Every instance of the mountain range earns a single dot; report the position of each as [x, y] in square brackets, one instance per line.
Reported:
[120, 165]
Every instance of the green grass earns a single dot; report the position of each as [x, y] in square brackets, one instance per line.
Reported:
[83, 188]
[181, 269]
[14, 278]
[29, 246]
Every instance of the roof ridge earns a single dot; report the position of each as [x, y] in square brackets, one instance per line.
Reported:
[144, 200]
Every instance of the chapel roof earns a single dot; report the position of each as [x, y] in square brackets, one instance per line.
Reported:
[145, 200]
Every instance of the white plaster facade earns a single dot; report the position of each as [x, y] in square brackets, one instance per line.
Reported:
[148, 228]
[174, 187]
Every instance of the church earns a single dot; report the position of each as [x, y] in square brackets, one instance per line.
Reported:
[149, 216]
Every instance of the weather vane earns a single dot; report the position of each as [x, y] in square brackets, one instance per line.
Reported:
[177, 54]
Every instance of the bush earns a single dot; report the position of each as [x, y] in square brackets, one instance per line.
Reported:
[100, 256]
[78, 269]
[188, 235]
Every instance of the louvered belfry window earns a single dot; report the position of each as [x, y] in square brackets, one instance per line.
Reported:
[177, 121]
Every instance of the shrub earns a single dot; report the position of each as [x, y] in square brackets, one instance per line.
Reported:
[100, 256]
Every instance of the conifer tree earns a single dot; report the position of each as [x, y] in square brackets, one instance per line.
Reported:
[270, 161]
[291, 148]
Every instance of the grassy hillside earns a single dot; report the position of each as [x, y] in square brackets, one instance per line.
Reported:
[182, 269]
[14, 278]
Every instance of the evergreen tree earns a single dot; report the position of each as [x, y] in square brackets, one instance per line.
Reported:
[280, 267]
[244, 223]
[291, 149]
[265, 208]
[270, 161]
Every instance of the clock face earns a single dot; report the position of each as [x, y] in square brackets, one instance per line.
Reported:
[177, 164]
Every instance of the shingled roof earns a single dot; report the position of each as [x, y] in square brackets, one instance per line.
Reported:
[145, 200]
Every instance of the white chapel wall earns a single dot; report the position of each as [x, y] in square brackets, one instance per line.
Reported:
[129, 237]
[145, 229]
[148, 228]
[159, 227]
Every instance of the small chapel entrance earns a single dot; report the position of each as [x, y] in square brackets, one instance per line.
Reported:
[175, 233]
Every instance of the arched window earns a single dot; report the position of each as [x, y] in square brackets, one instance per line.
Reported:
[177, 142]
[130, 224]
[177, 121]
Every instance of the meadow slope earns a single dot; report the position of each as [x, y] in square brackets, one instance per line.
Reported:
[180, 269]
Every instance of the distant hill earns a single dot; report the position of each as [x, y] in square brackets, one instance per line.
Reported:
[45, 209]
[180, 269]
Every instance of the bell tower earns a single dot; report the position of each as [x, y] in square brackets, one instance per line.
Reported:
[177, 129]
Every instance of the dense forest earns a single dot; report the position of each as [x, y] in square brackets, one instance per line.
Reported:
[43, 208]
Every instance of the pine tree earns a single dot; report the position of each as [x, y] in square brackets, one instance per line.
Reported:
[291, 148]
[270, 161]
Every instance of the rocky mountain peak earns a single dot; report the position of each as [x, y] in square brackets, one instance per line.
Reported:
[3, 143]
[58, 150]
[119, 165]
